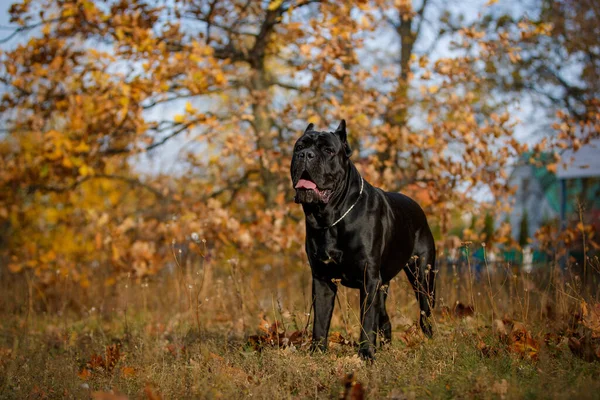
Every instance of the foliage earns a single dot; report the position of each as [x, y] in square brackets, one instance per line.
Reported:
[96, 86]
[88, 89]
[557, 70]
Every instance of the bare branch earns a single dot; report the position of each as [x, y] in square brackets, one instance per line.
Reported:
[62, 189]
[164, 140]
[20, 29]
[421, 14]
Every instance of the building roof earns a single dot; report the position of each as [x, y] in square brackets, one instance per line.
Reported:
[582, 163]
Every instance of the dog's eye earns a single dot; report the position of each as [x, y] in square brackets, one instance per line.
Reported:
[299, 147]
[329, 151]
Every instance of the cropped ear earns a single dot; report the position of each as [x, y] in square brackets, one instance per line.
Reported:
[341, 132]
[309, 127]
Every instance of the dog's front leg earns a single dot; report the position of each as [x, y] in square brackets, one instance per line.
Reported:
[369, 312]
[323, 301]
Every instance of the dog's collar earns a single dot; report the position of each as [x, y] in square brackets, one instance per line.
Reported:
[352, 206]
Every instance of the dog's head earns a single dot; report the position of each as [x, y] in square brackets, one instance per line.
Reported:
[319, 163]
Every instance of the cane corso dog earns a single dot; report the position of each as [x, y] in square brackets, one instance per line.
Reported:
[358, 235]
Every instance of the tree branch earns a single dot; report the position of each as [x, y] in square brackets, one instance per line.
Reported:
[421, 14]
[154, 145]
[61, 189]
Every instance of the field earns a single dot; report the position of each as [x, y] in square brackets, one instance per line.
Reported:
[500, 333]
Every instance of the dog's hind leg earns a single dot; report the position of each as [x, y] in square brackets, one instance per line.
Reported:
[385, 327]
[421, 275]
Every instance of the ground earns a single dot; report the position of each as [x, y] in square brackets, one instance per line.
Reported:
[499, 341]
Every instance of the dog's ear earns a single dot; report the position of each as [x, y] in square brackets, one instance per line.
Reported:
[341, 132]
[309, 127]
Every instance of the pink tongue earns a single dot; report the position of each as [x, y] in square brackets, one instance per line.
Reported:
[305, 184]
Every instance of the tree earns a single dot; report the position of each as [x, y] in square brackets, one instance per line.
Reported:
[524, 230]
[99, 83]
[488, 228]
[558, 70]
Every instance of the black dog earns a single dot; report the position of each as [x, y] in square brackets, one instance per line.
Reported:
[360, 235]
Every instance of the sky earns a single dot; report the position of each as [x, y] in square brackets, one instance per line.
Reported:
[4, 6]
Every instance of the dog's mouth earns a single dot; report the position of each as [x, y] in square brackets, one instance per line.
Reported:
[308, 192]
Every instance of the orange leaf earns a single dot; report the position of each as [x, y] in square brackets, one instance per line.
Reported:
[128, 372]
[84, 374]
[151, 392]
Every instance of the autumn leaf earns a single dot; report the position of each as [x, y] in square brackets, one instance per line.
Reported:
[128, 372]
[591, 318]
[353, 390]
[151, 392]
[337, 338]
[84, 374]
[15, 267]
[110, 395]
[188, 109]
[275, 4]
[522, 343]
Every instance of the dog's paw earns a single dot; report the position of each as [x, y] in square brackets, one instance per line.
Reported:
[367, 353]
[425, 323]
[385, 343]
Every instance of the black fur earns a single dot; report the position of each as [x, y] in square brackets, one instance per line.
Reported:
[382, 234]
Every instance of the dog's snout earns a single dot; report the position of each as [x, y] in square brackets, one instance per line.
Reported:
[309, 154]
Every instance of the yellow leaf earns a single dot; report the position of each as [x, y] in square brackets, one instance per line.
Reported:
[84, 282]
[52, 215]
[116, 254]
[84, 170]
[179, 118]
[73, 339]
[15, 267]
[219, 77]
[188, 108]
[275, 4]
[66, 162]
[223, 238]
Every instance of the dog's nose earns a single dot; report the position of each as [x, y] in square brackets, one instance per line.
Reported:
[307, 153]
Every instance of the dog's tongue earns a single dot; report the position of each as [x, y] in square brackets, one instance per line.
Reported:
[305, 184]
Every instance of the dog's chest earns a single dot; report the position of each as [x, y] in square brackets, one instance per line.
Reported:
[325, 246]
[332, 257]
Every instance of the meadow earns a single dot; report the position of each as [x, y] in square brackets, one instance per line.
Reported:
[212, 329]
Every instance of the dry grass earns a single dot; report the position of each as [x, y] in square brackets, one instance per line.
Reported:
[184, 335]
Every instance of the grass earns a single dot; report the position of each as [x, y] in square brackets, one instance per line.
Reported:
[185, 335]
